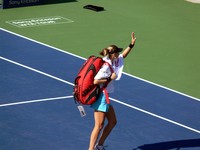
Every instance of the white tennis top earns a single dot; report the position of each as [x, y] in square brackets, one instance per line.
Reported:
[105, 71]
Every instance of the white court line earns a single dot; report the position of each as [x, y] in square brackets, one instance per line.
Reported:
[125, 104]
[157, 116]
[35, 70]
[191, 97]
[34, 101]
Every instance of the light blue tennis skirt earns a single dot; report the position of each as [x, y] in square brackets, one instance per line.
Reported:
[100, 104]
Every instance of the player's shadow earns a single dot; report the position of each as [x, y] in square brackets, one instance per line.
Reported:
[177, 145]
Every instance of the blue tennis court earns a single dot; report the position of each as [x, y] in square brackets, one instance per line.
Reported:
[37, 110]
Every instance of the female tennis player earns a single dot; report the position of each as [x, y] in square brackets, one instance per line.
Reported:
[102, 108]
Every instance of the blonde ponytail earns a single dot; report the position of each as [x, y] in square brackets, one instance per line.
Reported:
[104, 52]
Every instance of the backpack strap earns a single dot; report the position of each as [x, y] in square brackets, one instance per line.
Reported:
[105, 85]
[106, 95]
[111, 69]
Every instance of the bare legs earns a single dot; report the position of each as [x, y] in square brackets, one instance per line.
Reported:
[99, 118]
[110, 115]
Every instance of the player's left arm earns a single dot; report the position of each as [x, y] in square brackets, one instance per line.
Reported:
[131, 45]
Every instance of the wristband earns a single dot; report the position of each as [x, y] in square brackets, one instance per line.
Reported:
[108, 79]
[131, 45]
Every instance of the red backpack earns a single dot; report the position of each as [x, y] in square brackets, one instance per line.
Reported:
[85, 92]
